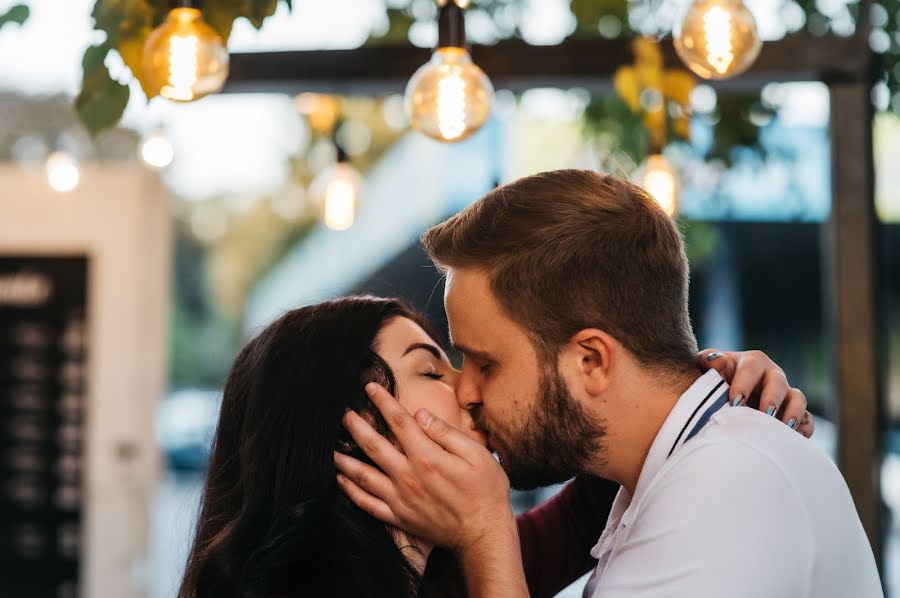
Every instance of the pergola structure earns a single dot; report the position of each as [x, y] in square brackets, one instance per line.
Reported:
[851, 250]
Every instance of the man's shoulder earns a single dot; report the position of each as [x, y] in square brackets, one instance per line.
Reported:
[744, 449]
[722, 457]
[742, 435]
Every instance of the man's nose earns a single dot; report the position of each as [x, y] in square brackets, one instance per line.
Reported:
[467, 394]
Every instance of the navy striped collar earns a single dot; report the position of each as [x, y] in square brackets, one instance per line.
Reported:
[691, 413]
[707, 406]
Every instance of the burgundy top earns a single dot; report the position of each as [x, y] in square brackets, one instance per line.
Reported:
[556, 539]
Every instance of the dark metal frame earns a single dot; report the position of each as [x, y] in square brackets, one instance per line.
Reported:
[849, 237]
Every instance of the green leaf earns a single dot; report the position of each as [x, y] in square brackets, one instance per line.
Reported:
[108, 16]
[93, 59]
[102, 100]
[221, 15]
[17, 14]
[127, 24]
[260, 10]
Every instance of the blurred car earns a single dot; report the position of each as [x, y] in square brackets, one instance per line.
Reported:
[184, 427]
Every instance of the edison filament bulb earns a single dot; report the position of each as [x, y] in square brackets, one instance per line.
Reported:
[717, 39]
[449, 97]
[184, 58]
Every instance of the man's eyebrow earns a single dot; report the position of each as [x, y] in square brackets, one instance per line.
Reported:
[480, 355]
[430, 348]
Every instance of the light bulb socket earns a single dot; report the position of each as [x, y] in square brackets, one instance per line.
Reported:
[341, 154]
[451, 26]
[173, 4]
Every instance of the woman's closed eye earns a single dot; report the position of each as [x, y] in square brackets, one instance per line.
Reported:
[433, 374]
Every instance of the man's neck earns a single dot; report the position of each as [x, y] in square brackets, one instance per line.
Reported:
[643, 402]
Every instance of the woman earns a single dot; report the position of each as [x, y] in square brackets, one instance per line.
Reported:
[272, 520]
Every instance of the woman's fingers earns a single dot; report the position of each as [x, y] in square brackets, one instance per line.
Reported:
[793, 410]
[775, 391]
[450, 439]
[372, 505]
[713, 359]
[807, 424]
[755, 372]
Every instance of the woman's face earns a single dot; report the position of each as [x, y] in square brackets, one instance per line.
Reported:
[425, 378]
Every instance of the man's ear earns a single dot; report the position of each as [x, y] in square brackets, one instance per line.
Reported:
[588, 358]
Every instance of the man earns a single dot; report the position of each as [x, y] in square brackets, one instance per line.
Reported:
[567, 294]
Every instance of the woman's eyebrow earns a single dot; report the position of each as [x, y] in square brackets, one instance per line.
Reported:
[430, 348]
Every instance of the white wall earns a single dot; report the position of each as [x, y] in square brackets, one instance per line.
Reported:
[119, 217]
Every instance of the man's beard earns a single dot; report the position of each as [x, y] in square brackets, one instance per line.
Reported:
[553, 443]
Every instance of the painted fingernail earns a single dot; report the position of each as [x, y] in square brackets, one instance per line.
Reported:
[713, 356]
[771, 410]
[792, 423]
[738, 400]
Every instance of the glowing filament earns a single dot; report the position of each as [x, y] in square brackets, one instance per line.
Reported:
[183, 67]
[340, 204]
[451, 106]
[717, 29]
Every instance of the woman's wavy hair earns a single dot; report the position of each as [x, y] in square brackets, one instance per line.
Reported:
[272, 521]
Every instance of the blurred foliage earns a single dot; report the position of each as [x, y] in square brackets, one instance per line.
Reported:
[700, 241]
[126, 25]
[733, 126]
[660, 96]
[17, 14]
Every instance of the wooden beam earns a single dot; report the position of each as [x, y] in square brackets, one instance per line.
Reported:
[513, 64]
[851, 252]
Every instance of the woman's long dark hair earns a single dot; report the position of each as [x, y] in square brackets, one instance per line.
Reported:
[272, 520]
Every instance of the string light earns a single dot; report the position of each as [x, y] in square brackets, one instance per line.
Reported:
[336, 191]
[62, 172]
[184, 58]
[157, 151]
[658, 178]
[449, 97]
[717, 39]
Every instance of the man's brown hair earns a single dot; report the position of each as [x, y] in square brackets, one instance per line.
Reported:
[572, 249]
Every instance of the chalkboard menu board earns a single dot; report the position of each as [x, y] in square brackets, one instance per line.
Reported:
[42, 397]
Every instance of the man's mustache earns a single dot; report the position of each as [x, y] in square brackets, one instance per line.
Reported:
[478, 419]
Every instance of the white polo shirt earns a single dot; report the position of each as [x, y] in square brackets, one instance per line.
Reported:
[732, 503]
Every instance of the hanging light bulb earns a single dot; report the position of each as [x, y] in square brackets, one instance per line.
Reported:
[717, 39]
[321, 110]
[658, 178]
[449, 97]
[184, 58]
[157, 151]
[336, 191]
[62, 172]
